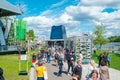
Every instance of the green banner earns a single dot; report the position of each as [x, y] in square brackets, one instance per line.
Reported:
[20, 27]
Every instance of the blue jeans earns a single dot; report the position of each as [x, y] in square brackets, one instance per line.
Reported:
[48, 59]
[60, 69]
[40, 78]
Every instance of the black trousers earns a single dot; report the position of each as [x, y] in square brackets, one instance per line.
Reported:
[70, 65]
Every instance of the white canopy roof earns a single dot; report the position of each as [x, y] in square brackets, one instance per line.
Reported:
[7, 9]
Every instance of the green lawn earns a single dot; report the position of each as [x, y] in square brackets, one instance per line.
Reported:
[10, 65]
[115, 60]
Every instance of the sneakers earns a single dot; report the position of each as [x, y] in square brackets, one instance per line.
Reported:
[60, 75]
[68, 74]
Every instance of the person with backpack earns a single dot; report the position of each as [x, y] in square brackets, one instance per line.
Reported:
[56, 57]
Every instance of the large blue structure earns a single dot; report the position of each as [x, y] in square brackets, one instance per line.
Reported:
[58, 32]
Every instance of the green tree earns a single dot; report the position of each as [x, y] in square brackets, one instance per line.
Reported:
[114, 39]
[31, 34]
[99, 38]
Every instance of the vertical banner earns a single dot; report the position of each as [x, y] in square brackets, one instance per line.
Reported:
[20, 27]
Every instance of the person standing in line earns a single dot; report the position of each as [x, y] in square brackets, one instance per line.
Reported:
[94, 75]
[104, 72]
[78, 69]
[40, 71]
[108, 59]
[91, 67]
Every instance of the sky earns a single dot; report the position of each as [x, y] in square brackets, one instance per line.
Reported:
[78, 16]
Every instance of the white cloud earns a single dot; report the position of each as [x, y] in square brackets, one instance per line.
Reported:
[105, 3]
[87, 11]
[45, 12]
[58, 4]
[42, 24]
[83, 13]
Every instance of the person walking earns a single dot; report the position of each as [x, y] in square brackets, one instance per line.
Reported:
[100, 57]
[105, 58]
[48, 56]
[70, 63]
[78, 69]
[56, 57]
[108, 59]
[91, 67]
[33, 60]
[75, 77]
[104, 73]
[40, 70]
[94, 75]
[74, 57]
[60, 64]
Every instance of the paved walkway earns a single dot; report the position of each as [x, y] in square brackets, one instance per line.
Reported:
[52, 72]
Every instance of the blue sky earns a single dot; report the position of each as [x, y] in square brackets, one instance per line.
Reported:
[78, 16]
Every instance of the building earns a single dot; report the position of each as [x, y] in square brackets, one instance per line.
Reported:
[57, 36]
[58, 32]
[6, 9]
[81, 45]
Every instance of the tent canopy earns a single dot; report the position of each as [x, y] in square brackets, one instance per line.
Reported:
[7, 9]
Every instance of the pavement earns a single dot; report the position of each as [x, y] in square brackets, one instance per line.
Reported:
[52, 72]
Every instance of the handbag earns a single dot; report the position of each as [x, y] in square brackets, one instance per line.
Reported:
[45, 75]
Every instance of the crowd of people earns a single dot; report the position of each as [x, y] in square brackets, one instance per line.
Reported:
[74, 68]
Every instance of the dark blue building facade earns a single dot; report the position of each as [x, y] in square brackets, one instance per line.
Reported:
[58, 32]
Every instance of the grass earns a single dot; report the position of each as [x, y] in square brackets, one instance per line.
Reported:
[115, 59]
[10, 66]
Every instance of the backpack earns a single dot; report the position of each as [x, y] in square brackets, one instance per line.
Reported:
[56, 56]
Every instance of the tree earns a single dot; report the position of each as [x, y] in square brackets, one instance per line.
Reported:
[99, 38]
[114, 39]
[31, 34]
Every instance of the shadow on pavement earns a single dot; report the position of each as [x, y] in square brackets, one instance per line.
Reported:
[53, 64]
[65, 72]
[55, 73]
